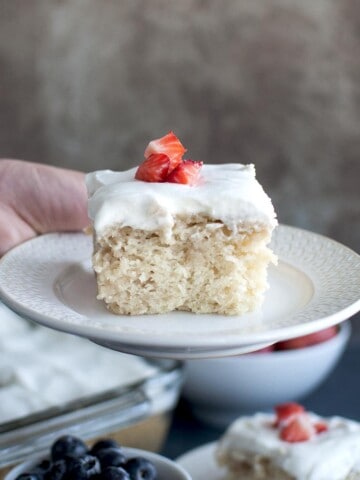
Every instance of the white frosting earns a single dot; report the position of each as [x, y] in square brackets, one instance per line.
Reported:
[40, 368]
[229, 193]
[331, 455]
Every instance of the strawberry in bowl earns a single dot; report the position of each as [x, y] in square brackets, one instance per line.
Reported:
[219, 390]
[308, 340]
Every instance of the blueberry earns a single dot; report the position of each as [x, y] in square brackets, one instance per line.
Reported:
[104, 443]
[56, 471]
[38, 474]
[114, 473]
[28, 476]
[82, 468]
[68, 445]
[111, 457]
[140, 469]
[43, 466]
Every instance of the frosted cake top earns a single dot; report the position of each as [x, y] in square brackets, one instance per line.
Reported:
[330, 455]
[228, 193]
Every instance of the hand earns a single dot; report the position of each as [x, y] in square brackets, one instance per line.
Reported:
[37, 199]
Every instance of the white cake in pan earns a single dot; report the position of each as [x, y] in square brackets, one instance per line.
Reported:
[160, 246]
[314, 448]
[41, 368]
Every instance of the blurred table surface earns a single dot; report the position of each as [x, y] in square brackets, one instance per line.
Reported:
[338, 395]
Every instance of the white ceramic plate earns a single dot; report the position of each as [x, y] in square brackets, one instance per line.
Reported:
[315, 285]
[200, 463]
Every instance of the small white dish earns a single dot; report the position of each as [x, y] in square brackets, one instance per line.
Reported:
[201, 463]
[167, 469]
[220, 390]
[315, 285]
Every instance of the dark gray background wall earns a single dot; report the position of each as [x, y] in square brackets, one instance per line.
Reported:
[86, 83]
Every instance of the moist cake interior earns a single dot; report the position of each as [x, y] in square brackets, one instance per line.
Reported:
[202, 267]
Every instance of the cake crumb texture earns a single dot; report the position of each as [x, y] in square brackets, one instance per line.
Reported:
[204, 267]
[250, 466]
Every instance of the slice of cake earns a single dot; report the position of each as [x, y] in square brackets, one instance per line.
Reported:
[175, 234]
[291, 445]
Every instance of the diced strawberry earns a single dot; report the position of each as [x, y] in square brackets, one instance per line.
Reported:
[299, 429]
[187, 172]
[286, 412]
[154, 169]
[321, 427]
[308, 340]
[170, 145]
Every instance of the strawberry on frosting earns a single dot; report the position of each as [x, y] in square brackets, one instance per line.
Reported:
[320, 427]
[164, 163]
[285, 412]
[187, 172]
[299, 429]
[294, 423]
[170, 145]
[154, 169]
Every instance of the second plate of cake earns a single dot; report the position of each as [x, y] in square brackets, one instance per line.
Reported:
[314, 285]
[293, 444]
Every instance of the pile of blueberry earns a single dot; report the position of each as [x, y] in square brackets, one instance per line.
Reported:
[71, 459]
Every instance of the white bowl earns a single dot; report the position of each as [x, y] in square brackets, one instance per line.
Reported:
[167, 469]
[219, 390]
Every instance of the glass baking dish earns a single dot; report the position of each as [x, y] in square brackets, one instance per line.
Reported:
[137, 415]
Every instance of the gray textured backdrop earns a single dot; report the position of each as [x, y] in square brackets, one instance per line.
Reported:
[86, 83]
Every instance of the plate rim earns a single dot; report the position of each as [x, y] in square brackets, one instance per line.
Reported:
[157, 339]
[209, 446]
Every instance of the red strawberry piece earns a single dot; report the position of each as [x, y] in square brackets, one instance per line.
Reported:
[187, 172]
[154, 169]
[308, 340]
[321, 427]
[286, 412]
[268, 349]
[170, 145]
[299, 429]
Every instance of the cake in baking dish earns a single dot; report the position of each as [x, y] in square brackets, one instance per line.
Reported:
[290, 445]
[175, 234]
